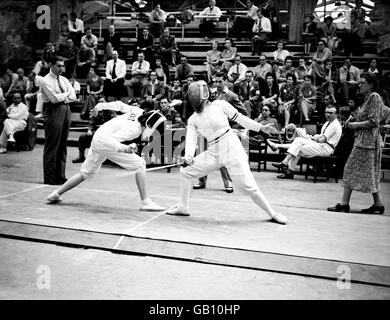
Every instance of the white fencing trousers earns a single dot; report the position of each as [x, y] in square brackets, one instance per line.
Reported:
[99, 152]
[227, 152]
[307, 148]
[10, 127]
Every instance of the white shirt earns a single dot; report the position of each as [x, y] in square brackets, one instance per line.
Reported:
[51, 91]
[120, 68]
[281, 55]
[216, 12]
[261, 71]
[1, 94]
[143, 71]
[213, 121]
[90, 43]
[242, 69]
[121, 128]
[332, 132]
[265, 24]
[17, 111]
[79, 25]
[252, 12]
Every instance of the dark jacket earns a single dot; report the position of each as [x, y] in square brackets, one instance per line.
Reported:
[245, 94]
[115, 41]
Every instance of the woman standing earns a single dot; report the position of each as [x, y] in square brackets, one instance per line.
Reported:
[213, 58]
[362, 170]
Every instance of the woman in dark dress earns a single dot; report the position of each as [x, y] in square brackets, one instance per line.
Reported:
[94, 90]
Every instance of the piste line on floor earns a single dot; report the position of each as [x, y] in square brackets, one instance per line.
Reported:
[201, 253]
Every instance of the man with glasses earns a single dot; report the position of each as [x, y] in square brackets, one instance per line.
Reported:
[262, 69]
[321, 145]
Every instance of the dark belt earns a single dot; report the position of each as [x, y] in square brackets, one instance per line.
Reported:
[217, 139]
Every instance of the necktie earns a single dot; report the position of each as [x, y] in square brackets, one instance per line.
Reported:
[139, 65]
[238, 70]
[348, 75]
[74, 25]
[59, 84]
[113, 73]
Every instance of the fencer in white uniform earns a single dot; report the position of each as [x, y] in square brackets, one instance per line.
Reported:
[211, 121]
[107, 144]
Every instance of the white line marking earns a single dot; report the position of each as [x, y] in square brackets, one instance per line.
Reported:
[26, 190]
[118, 242]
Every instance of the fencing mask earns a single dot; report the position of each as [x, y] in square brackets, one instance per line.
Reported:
[197, 93]
[151, 120]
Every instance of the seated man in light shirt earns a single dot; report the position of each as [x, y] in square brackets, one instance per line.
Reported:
[237, 72]
[245, 22]
[115, 76]
[139, 75]
[207, 26]
[261, 29]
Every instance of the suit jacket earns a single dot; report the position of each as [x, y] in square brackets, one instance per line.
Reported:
[148, 43]
[159, 90]
[183, 71]
[245, 94]
[115, 40]
[168, 43]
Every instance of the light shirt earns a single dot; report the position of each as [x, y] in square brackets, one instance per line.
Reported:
[261, 71]
[353, 71]
[79, 25]
[137, 71]
[120, 68]
[281, 55]
[51, 91]
[332, 132]
[17, 111]
[91, 42]
[37, 82]
[265, 24]
[216, 12]
[242, 69]
[252, 12]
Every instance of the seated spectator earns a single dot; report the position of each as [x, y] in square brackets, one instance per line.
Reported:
[162, 70]
[183, 70]
[69, 53]
[171, 114]
[33, 97]
[152, 93]
[261, 30]
[213, 58]
[7, 79]
[144, 44]
[318, 62]
[42, 66]
[187, 107]
[307, 98]
[115, 76]
[270, 11]
[266, 118]
[17, 115]
[373, 69]
[168, 47]
[301, 71]
[97, 120]
[228, 55]
[76, 28]
[175, 96]
[76, 86]
[237, 72]
[349, 80]
[244, 23]
[329, 34]
[85, 60]
[95, 85]
[139, 75]
[90, 40]
[111, 42]
[287, 98]
[63, 33]
[286, 69]
[269, 93]
[261, 70]
[249, 93]
[157, 21]
[330, 81]
[13, 44]
[19, 85]
[309, 33]
[207, 26]
[322, 144]
[280, 54]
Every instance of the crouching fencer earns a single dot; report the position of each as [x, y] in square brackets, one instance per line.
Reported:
[211, 121]
[106, 144]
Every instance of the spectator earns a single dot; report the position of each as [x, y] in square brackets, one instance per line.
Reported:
[373, 69]
[157, 20]
[111, 42]
[3, 110]
[265, 118]
[244, 23]
[7, 79]
[331, 79]
[162, 70]
[318, 63]
[69, 53]
[286, 69]
[249, 93]
[90, 40]
[349, 80]
[13, 42]
[187, 108]
[301, 71]
[213, 58]
[309, 32]
[207, 26]
[269, 93]
[322, 144]
[115, 76]
[139, 74]
[280, 54]
[171, 114]
[76, 85]
[228, 55]
[237, 72]
[261, 30]
[63, 30]
[329, 34]
[183, 70]
[175, 95]
[95, 86]
[42, 67]
[270, 12]
[168, 47]
[307, 98]
[152, 93]
[144, 44]
[17, 115]
[85, 59]
[19, 85]
[353, 40]
[358, 11]
[287, 98]
[33, 97]
[76, 28]
[261, 70]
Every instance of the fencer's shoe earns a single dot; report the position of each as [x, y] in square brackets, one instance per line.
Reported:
[3, 150]
[198, 186]
[176, 210]
[151, 206]
[11, 139]
[229, 190]
[54, 197]
[278, 218]
[339, 208]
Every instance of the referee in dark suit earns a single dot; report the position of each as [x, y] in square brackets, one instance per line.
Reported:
[57, 93]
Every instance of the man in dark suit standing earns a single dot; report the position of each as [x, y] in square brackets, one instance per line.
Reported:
[144, 44]
[249, 93]
[152, 93]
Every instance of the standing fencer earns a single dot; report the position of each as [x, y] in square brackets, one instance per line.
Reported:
[211, 121]
[106, 144]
